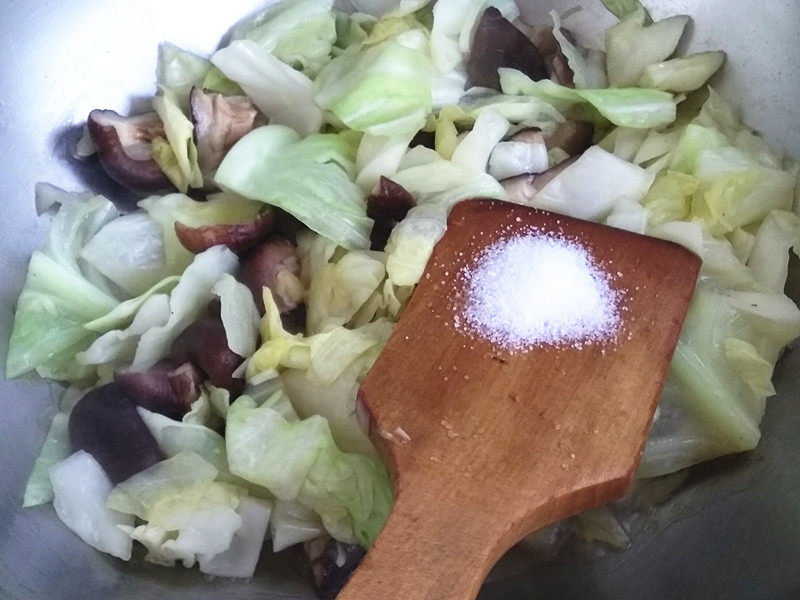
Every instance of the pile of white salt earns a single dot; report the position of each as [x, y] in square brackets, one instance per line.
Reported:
[539, 289]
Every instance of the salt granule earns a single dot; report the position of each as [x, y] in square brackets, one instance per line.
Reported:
[536, 290]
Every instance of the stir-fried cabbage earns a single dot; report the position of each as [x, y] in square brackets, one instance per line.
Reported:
[349, 99]
[627, 107]
[81, 490]
[307, 178]
[297, 460]
[383, 89]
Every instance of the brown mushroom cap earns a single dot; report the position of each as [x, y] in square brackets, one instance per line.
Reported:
[262, 268]
[573, 137]
[124, 148]
[387, 205]
[497, 43]
[237, 237]
[106, 424]
[165, 388]
[554, 59]
[205, 344]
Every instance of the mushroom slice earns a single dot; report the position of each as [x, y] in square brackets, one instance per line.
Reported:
[163, 389]
[331, 563]
[219, 122]
[573, 137]
[275, 265]
[522, 189]
[124, 147]
[205, 344]
[550, 50]
[497, 43]
[388, 204]
[237, 237]
[106, 424]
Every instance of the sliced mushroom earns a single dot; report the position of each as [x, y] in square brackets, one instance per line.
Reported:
[106, 424]
[562, 71]
[523, 188]
[331, 563]
[549, 48]
[554, 59]
[238, 237]
[529, 135]
[164, 388]
[294, 321]
[287, 226]
[424, 138]
[205, 344]
[573, 137]
[544, 40]
[274, 264]
[124, 148]
[388, 204]
[497, 43]
[219, 122]
[185, 382]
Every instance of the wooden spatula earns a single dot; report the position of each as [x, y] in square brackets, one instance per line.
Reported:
[486, 445]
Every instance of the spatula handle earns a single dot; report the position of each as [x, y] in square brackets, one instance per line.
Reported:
[432, 548]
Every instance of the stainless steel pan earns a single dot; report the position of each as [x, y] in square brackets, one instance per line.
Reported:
[733, 532]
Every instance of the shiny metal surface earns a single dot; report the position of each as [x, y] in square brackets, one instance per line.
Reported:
[731, 534]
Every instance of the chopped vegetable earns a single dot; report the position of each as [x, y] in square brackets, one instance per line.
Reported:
[80, 489]
[627, 107]
[260, 73]
[631, 46]
[306, 178]
[381, 90]
[215, 344]
[298, 460]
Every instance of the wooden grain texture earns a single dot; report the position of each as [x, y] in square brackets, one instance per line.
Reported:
[502, 444]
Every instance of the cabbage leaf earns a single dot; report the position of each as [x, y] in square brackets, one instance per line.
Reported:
[297, 460]
[383, 89]
[626, 107]
[303, 177]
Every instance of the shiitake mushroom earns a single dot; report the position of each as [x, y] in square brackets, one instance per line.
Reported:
[237, 237]
[263, 267]
[387, 205]
[331, 563]
[219, 122]
[497, 43]
[166, 388]
[106, 424]
[205, 345]
[124, 148]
